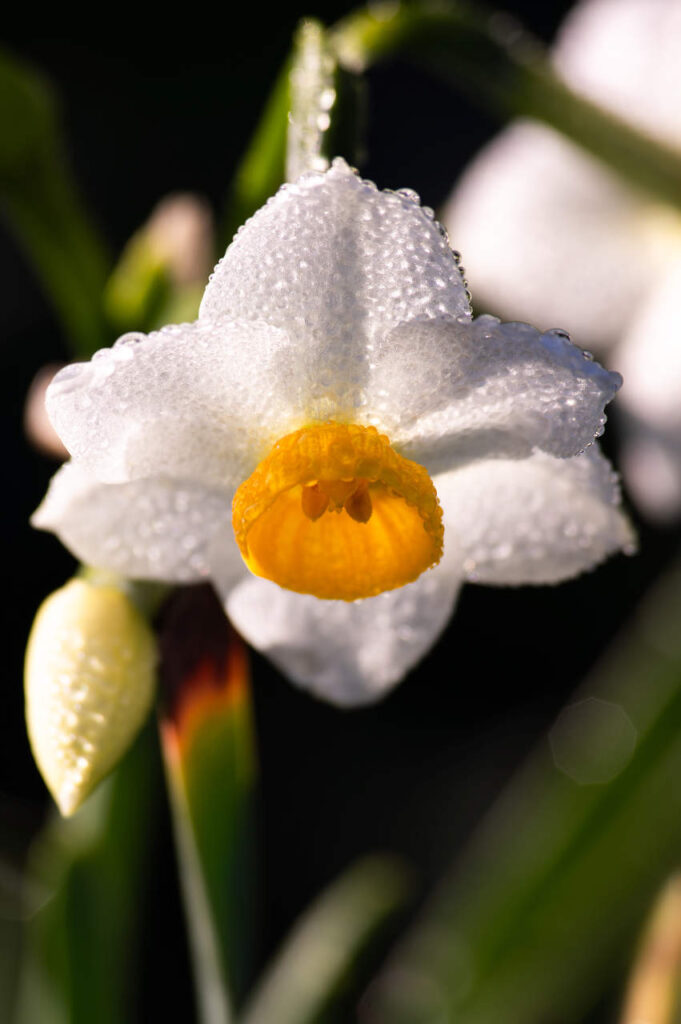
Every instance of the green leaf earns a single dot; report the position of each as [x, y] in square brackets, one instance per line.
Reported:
[208, 749]
[497, 63]
[320, 957]
[42, 204]
[263, 167]
[314, 112]
[79, 943]
[545, 905]
[138, 290]
[161, 273]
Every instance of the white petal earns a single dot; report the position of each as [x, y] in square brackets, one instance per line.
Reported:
[337, 264]
[148, 529]
[651, 465]
[453, 391]
[650, 356]
[199, 402]
[624, 54]
[536, 520]
[550, 235]
[348, 654]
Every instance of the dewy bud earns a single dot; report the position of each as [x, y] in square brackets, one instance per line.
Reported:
[89, 680]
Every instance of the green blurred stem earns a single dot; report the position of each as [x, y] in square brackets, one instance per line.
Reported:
[208, 748]
[213, 997]
[314, 112]
[326, 115]
[311, 99]
[492, 59]
[81, 944]
[262, 168]
[62, 248]
[322, 952]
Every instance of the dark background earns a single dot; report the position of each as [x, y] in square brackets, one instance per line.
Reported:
[144, 117]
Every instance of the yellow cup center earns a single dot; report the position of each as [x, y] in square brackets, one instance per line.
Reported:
[334, 511]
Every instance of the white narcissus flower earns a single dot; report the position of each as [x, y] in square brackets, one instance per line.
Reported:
[551, 234]
[334, 387]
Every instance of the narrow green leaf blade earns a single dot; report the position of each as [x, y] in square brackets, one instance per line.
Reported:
[41, 202]
[80, 943]
[316, 108]
[319, 957]
[209, 754]
[263, 167]
[545, 906]
[161, 273]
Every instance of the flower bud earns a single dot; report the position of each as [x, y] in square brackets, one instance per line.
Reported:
[163, 267]
[89, 681]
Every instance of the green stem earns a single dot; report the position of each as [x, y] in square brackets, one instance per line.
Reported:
[290, 137]
[65, 255]
[311, 98]
[326, 115]
[322, 955]
[509, 72]
[262, 168]
[208, 749]
[79, 943]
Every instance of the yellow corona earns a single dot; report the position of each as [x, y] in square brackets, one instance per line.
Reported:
[333, 510]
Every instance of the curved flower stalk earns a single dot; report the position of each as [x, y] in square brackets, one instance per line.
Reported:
[552, 234]
[375, 444]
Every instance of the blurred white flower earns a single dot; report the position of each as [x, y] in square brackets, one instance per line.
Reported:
[551, 234]
[334, 370]
[37, 425]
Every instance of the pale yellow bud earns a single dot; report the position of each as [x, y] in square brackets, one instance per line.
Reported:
[89, 677]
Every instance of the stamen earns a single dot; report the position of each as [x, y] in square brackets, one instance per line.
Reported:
[385, 531]
[358, 506]
[351, 496]
[314, 502]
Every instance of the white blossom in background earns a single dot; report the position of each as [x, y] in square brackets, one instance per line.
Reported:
[336, 442]
[551, 234]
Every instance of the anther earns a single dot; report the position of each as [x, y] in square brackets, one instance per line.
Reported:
[358, 506]
[314, 502]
